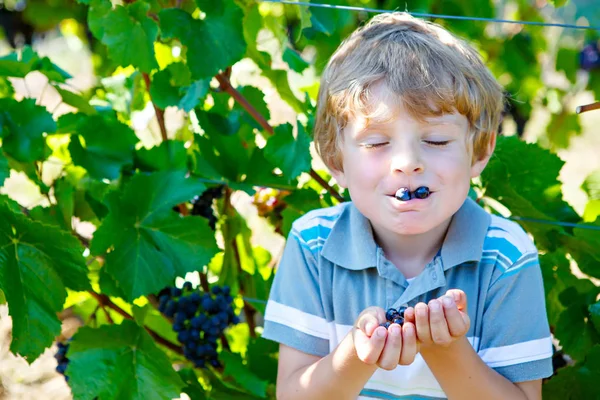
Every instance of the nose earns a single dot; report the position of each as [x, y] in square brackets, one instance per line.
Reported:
[407, 160]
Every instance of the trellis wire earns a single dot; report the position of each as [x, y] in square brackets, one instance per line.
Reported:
[428, 15]
[513, 217]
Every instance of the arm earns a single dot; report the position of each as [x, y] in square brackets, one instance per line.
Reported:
[339, 375]
[473, 379]
[343, 373]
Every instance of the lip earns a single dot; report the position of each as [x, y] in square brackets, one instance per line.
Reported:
[409, 205]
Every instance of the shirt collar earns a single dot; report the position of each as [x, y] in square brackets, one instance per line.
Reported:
[351, 244]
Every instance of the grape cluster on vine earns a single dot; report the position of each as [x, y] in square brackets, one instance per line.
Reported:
[202, 205]
[270, 204]
[61, 358]
[199, 319]
[589, 57]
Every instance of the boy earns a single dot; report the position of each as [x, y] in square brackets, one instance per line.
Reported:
[407, 115]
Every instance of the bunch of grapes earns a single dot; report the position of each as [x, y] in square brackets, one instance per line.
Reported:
[61, 357]
[394, 316]
[270, 204]
[199, 319]
[202, 205]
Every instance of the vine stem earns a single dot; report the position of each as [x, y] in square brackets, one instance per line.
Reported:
[104, 300]
[226, 86]
[160, 114]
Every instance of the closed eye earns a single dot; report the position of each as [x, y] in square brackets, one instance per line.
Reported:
[373, 145]
[434, 143]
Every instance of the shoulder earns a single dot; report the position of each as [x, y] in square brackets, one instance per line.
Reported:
[313, 228]
[507, 245]
[317, 222]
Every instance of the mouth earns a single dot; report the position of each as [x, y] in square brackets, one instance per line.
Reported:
[414, 204]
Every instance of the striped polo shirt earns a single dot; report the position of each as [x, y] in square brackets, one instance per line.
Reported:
[332, 269]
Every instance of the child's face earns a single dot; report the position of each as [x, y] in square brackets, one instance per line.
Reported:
[382, 158]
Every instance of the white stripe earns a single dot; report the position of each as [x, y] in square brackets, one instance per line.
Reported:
[313, 218]
[298, 320]
[519, 353]
[499, 257]
[310, 242]
[513, 233]
[524, 260]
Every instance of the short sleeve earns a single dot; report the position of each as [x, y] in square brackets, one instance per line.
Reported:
[515, 337]
[294, 314]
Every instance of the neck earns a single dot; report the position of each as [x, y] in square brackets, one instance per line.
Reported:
[411, 253]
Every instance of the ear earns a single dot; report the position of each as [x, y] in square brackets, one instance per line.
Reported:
[339, 177]
[478, 166]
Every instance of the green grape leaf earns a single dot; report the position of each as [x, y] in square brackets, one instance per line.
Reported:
[567, 60]
[247, 380]
[279, 80]
[594, 83]
[37, 263]
[101, 143]
[193, 388]
[559, 3]
[128, 33]
[294, 60]
[173, 87]
[591, 185]
[6, 88]
[170, 154]
[576, 382]
[75, 100]
[52, 71]
[584, 246]
[151, 244]
[262, 358]
[4, 169]
[20, 63]
[594, 310]
[324, 20]
[574, 330]
[256, 97]
[524, 177]
[213, 43]
[120, 362]
[290, 154]
[562, 127]
[592, 210]
[22, 125]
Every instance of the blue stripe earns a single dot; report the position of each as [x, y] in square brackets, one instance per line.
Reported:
[315, 232]
[378, 394]
[503, 246]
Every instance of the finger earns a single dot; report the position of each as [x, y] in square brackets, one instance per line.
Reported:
[454, 318]
[460, 298]
[409, 344]
[437, 324]
[368, 349]
[422, 323]
[391, 351]
[409, 315]
[370, 319]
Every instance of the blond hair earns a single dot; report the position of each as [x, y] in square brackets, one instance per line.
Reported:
[431, 71]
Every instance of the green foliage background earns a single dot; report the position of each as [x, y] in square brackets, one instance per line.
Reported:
[180, 54]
